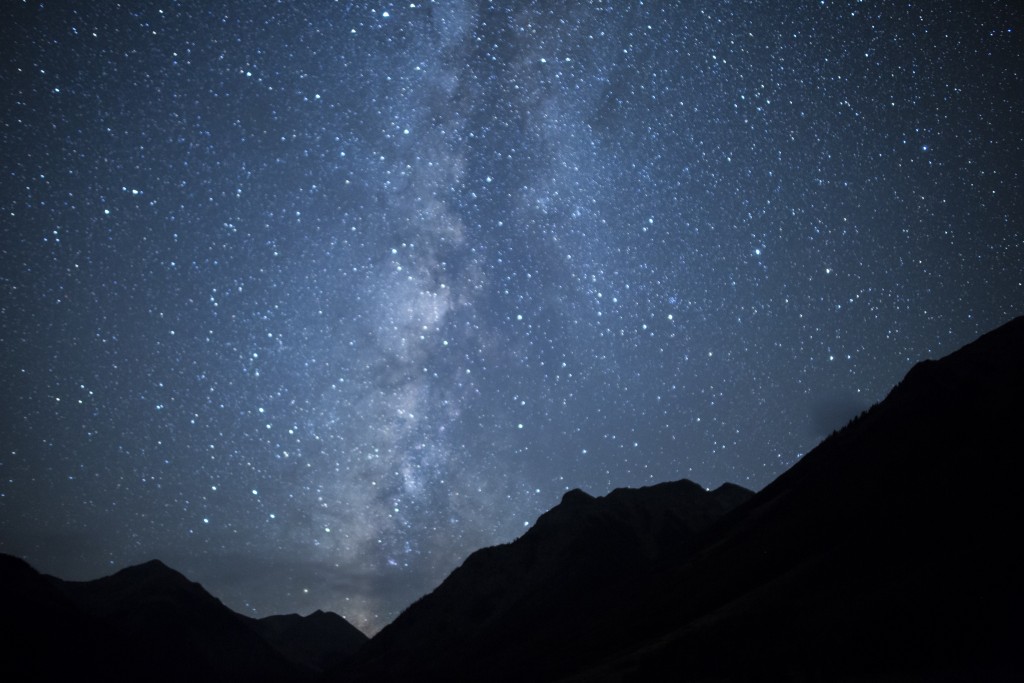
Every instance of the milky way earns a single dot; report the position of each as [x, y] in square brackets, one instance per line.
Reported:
[311, 300]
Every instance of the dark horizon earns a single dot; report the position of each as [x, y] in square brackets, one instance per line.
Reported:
[868, 559]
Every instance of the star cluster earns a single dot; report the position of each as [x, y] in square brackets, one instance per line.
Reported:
[310, 300]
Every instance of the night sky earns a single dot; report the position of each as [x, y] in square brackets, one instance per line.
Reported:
[310, 300]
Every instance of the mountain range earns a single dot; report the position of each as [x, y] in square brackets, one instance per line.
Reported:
[148, 622]
[886, 553]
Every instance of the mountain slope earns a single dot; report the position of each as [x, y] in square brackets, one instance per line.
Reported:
[505, 606]
[886, 552]
[149, 622]
[170, 628]
[46, 634]
[315, 641]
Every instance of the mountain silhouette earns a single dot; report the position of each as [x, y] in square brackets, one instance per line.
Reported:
[887, 552]
[47, 637]
[505, 607]
[149, 622]
[315, 642]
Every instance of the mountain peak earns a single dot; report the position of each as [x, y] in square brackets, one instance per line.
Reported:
[576, 497]
[547, 578]
[643, 583]
[150, 567]
[150, 572]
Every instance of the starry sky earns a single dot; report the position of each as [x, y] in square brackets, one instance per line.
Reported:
[311, 299]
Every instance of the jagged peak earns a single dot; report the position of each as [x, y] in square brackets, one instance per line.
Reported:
[576, 497]
[153, 572]
[149, 568]
[729, 487]
[677, 484]
[152, 565]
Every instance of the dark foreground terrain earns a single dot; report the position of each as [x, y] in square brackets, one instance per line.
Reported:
[889, 552]
[150, 623]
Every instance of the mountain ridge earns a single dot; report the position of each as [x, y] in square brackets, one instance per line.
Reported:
[149, 621]
[888, 485]
[884, 553]
[864, 559]
[578, 546]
